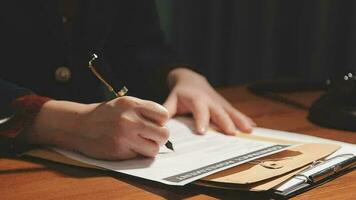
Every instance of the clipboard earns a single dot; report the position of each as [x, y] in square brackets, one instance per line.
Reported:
[316, 174]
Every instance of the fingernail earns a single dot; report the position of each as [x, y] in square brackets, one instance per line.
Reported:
[233, 132]
[162, 108]
[248, 129]
[202, 130]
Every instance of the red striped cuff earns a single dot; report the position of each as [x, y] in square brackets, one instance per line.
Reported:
[26, 109]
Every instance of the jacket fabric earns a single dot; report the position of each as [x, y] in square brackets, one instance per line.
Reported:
[125, 34]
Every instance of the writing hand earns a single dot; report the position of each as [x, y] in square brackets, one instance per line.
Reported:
[119, 129]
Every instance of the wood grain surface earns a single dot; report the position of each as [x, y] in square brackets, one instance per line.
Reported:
[30, 178]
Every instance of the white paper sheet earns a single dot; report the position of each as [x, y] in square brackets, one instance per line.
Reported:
[195, 156]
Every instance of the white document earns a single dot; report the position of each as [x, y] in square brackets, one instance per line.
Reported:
[195, 156]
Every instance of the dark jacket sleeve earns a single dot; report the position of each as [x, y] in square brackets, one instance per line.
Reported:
[18, 107]
[9, 92]
[140, 55]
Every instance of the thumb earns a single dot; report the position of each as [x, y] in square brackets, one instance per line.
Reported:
[171, 104]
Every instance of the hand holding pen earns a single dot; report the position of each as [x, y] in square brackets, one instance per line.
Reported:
[150, 114]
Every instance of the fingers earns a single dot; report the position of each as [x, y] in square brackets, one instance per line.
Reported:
[222, 119]
[140, 135]
[149, 138]
[145, 147]
[153, 111]
[201, 115]
[148, 109]
[253, 123]
[243, 122]
[227, 119]
[153, 132]
[171, 104]
[123, 128]
[145, 136]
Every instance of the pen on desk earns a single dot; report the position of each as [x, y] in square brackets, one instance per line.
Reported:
[120, 93]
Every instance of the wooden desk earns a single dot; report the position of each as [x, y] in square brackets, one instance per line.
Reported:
[29, 178]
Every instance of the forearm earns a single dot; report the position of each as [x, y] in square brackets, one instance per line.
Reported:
[55, 124]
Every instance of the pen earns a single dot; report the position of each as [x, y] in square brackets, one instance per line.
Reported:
[120, 93]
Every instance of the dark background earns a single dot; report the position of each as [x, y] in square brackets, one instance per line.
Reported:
[239, 41]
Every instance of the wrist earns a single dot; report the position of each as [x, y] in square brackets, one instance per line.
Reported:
[181, 75]
[56, 124]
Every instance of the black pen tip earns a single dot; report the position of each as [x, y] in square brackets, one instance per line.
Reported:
[169, 145]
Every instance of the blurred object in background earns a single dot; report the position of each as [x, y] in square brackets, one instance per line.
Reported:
[242, 41]
[239, 41]
[337, 108]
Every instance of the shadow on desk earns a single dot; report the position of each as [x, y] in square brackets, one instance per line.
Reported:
[38, 165]
[190, 191]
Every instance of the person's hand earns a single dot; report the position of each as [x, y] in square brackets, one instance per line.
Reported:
[191, 93]
[119, 129]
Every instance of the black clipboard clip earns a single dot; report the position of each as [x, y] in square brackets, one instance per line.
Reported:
[316, 174]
